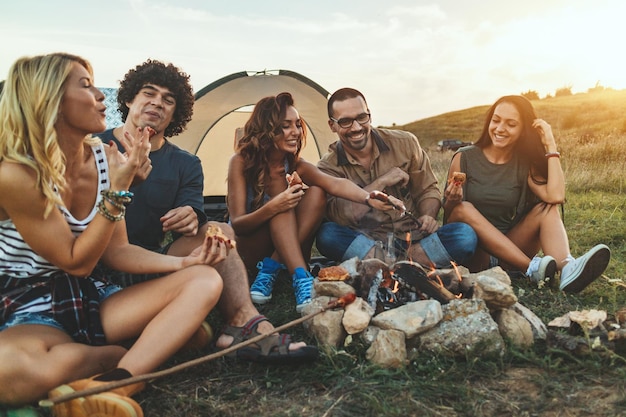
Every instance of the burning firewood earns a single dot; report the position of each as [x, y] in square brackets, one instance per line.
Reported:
[413, 276]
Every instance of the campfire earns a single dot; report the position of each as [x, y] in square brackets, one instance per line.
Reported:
[403, 307]
[406, 281]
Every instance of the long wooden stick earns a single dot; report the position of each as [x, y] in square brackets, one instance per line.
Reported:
[340, 302]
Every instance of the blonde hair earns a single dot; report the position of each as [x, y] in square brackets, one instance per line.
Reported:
[29, 109]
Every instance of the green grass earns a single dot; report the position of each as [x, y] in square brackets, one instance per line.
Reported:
[544, 381]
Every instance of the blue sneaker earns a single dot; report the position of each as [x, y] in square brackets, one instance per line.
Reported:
[261, 289]
[303, 286]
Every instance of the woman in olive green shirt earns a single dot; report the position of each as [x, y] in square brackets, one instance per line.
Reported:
[514, 186]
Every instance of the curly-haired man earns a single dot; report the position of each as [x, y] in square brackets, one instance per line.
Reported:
[168, 198]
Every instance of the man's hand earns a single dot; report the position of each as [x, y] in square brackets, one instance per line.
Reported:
[183, 220]
[392, 177]
[429, 224]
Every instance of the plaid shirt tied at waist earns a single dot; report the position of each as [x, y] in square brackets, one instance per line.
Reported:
[75, 303]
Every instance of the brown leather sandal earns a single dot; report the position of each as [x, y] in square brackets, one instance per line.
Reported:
[274, 349]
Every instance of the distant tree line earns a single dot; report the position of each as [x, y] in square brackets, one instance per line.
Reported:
[562, 92]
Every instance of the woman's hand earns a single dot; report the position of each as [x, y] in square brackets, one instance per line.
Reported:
[454, 192]
[288, 199]
[383, 202]
[545, 132]
[211, 252]
[123, 167]
[396, 203]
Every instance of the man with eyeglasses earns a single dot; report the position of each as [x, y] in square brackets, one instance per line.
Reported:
[392, 161]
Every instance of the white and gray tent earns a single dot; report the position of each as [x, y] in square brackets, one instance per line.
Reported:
[224, 106]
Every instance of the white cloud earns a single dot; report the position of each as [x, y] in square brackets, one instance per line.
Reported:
[428, 13]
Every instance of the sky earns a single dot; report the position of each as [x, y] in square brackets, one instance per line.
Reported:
[412, 59]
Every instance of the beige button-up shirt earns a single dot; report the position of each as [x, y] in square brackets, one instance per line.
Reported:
[392, 148]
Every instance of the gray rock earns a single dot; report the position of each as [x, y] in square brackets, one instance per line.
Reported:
[388, 349]
[466, 330]
[412, 318]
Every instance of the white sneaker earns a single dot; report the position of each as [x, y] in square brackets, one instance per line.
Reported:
[580, 272]
[541, 269]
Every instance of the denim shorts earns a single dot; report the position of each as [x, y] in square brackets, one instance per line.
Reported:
[452, 242]
[45, 318]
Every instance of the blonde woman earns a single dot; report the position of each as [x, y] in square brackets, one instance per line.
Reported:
[62, 202]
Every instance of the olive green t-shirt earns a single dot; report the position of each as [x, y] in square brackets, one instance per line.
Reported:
[498, 191]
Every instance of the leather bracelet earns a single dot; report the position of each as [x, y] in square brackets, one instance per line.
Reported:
[553, 155]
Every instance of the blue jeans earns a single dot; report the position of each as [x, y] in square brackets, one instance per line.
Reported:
[452, 242]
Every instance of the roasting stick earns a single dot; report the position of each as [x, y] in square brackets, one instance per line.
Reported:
[385, 199]
[339, 302]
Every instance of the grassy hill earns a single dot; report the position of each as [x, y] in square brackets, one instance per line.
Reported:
[590, 130]
[585, 115]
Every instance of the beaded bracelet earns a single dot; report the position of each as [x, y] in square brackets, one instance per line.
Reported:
[122, 196]
[553, 155]
[104, 211]
[116, 204]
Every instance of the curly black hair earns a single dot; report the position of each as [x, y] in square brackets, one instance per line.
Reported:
[163, 75]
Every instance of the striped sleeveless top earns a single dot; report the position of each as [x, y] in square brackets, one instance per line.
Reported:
[17, 258]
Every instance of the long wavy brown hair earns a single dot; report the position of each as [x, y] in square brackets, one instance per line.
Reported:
[260, 133]
[528, 147]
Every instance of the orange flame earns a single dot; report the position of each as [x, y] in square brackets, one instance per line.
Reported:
[458, 274]
[439, 281]
[432, 273]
